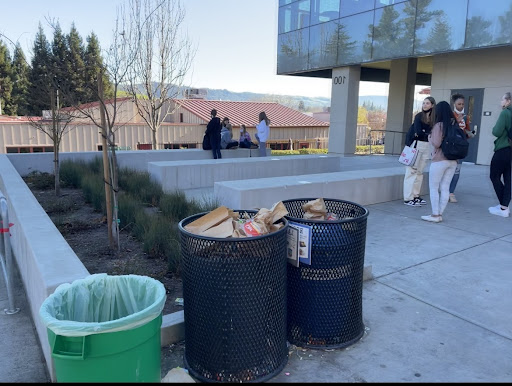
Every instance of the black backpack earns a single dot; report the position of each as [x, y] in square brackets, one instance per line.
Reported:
[455, 144]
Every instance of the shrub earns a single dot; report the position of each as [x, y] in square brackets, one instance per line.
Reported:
[128, 210]
[71, 173]
[139, 185]
[94, 191]
[41, 180]
[176, 207]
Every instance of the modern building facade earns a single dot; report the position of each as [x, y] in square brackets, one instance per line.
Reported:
[452, 46]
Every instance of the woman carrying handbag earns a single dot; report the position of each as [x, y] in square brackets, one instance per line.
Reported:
[413, 179]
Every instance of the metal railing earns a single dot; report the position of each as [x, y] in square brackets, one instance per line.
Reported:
[392, 140]
[6, 255]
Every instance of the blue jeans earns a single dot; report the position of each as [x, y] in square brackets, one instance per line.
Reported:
[456, 176]
[263, 149]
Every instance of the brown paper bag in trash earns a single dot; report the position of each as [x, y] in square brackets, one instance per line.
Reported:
[224, 229]
[315, 209]
[209, 220]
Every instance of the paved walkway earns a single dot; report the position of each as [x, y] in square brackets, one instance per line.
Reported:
[439, 308]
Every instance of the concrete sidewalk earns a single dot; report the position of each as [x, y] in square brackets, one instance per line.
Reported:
[438, 309]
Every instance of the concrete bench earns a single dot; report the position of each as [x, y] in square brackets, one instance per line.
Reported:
[197, 174]
[132, 159]
[363, 187]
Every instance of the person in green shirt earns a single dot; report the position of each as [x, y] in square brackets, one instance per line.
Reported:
[502, 158]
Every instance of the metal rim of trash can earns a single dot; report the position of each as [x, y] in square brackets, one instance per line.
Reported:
[270, 351]
[301, 326]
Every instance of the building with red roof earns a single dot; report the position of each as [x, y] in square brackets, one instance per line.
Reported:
[184, 127]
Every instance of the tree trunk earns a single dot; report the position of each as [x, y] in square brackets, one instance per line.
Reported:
[154, 139]
[106, 168]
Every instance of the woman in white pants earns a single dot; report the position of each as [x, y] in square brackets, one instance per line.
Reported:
[413, 179]
[441, 169]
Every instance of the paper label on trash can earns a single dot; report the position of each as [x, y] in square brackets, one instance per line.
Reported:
[299, 243]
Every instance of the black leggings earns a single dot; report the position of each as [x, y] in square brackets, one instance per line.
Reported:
[501, 166]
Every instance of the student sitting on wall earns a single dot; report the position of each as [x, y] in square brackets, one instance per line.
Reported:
[226, 135]
[245, 139]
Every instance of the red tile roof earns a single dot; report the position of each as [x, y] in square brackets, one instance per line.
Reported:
[8, 118]
[247, 112]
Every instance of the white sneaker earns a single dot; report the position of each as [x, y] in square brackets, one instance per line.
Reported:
[452, 198]
[432, 218]
[499, 212]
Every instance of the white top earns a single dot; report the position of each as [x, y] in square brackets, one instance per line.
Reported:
[263, 131]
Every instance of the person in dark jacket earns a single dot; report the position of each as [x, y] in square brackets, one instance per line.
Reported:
[423, 122]
[213, 130]
[500, 162]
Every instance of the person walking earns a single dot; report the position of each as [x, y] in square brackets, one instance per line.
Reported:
[413, 179]
[458, 101]
[441, 169]
[502, 158]
[213, 131]
[263, 131]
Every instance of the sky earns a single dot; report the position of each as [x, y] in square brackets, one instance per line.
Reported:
[235, 40]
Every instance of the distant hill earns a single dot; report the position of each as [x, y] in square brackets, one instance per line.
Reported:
[310, 104]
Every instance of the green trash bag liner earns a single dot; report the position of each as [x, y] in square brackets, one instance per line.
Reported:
[101, 304]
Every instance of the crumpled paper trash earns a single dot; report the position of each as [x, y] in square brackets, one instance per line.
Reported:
[223, 222]
[178, 375]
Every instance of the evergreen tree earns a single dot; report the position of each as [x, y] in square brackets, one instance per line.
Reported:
[93, 63]
[439, 38]
[21, 84]
[5, 81]
[60, 71]
[40, 79]
[75, 66]
[477, 32]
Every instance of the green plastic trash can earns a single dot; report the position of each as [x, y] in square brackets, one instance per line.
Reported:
[106, 329]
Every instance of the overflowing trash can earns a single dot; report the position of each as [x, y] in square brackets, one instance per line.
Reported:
[234, 293]
[106, 329]
[324, 296]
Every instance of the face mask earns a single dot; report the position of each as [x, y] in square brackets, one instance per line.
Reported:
[457, 111]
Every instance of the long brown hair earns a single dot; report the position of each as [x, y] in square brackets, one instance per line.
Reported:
[429, 119]
[262, 117]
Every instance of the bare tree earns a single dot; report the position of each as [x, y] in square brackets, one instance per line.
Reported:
[55, 125]
[162, 58]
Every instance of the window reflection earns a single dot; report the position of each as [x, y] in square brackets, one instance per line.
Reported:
[294, 16]
[324, 10]
[393, 31]
[323, 45]
[292, 52]
[354, 42]
[440, 25]
[351, 7]
[489, 23]
[383, 3]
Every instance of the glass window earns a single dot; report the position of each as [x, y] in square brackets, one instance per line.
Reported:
[393, 32]
[284, 2]
[383, 3]
[292, 51]
[294, 16]
[355, 38]
[351, 7]
[489, 23]
[324, 10]
[323, 45]
[440, 25]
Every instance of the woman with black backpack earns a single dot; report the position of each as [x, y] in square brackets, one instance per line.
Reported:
[500, 162]
[441, 169]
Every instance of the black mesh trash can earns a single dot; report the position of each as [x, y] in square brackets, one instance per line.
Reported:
[325, 298]
[234, 293]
